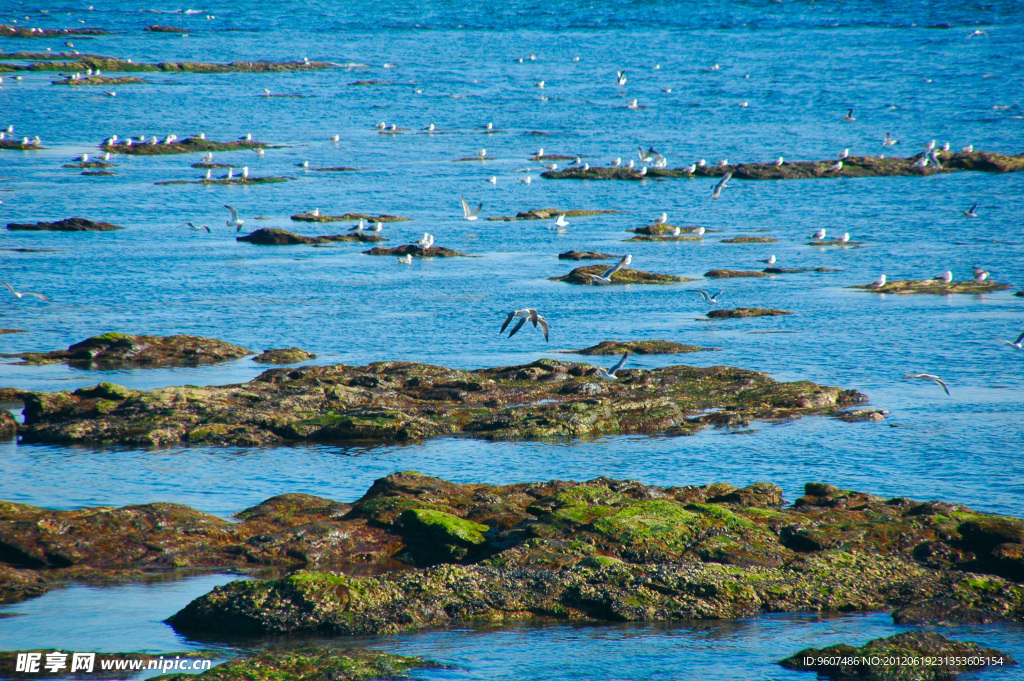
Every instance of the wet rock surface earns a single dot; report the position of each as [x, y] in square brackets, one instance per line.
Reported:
[65, 225]
[417, 252]
[311, 664]
[283, 356]
[551, 214]
[401, 401]
[744, 312]
[19, 144]
[934, 286]
[612, 550]
[350, 217]
[121, 350]
[99, 80]
[271, 236]
[659, 230]
[750, 240]
[114, 65]
[665, 238]
[642, 347]
[622, 277]
[586, 255]
[8, 31]
[186, 146]
[917, 655]
[9, 669]
[158, 28]
[733, 274]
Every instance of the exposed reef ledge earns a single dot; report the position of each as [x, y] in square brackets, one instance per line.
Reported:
[620, 278]
[610, 550]
[934, 286]
[65, 225]
[185, 146]
[121, 350]
[271, 236]
[854, 166]
[400, 401]
[115, 65]
[640, 347]
[311, 664]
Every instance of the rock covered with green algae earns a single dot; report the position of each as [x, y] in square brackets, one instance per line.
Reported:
[416, 252]
[733, 274]
[641, 347]
[745, 312]
[271, 236]
[623, 551]
[934, 286]
[912, 655]
[586, 255]
[401, 401]
[350, 217]
[115, 65]
[9, 670]
[99, 80]
[551, 214]
[620, 278]
[664, 238]
[121, 350]
[186, 146]
[283, 356]
[750, 240]
[310, 664]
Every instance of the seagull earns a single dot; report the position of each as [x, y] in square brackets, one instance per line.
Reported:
[377, 227]
[208, 158]
[234, 221]
[844, 153]
[633, 104]
[701, 163]
[431, 128]
[771, 260]
[779, 161]
[849, 116]
[931, 378]
[21, 294]
[231, 174]
[245, 172]
[690, 169]
[315, 212]
[878, 283]
[980, 276]
[845, 237]
[819, 235]
[406, 259]
[197, 228]
[335, 138]
[723, 163]
[971, 212]
[493, 179]
[1018, 344]
[933, 155]
[359, 227]
[426, 242]
[838, 165]
[708, 298]
[481, 154]
[606, 276]
[921, 162]
[642, 172]
[977, 33]
[209, 175]
[700, 231]
[889, 141]
[617, 162]
[620, 78]
[246, 138]
[722, 184]
[259, 152]
[661, 219]
[551, 166]
[560, 221]
[84, 158]
[945, 277]
[525, 315]
[968, 149]
[540, 84]
[468, 214]
[610, 374]
[675, 232]
[526, 180]
[489, 127]
[929, 146]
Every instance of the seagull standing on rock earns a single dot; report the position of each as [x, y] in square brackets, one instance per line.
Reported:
[819, 235]
[661, 219]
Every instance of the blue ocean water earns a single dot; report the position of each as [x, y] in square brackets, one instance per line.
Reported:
[907, 68]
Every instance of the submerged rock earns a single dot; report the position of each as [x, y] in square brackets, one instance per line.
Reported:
[798, 270]
[551, 214]
[349, 217]
[157, 28]
[732, 274]
[122, 350]
[934, 286]
[622, 277]
[66, 225]
[917, 655]
[586, 255]
[660, 230]
[271, 236]
[416, 252]
[310, 664]
[744, 312]
[611, 550]
[399, 401]
[642, 347]
[283, 356]
[664, 238]
[99, 80]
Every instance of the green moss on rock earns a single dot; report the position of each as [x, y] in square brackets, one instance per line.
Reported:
[934, 287]
[620, 278]
[642, 347]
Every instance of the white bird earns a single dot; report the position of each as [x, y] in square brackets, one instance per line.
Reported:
[489, 127]
[933, 155]
[620, 78]
[406, 259]
[633, 104]
[674, 232]
[701, 163]
[377, 227]
[921, 162]
[198, 228]
[968, 149]
[359, 227]
[247, 137]
[335, 138]
[845, 237]
[878, 283]
[21, 294]
[661, 219]
[426, 242]
[844, 153]
[381, 125]
[929, 146]
[235, 221]
[431, 128]
[981, 276]
[551, 166]
[971, 212]
[722, 184]
[945, 277]
[259, 152]
[560, 221]
[606, 276]
[84, 158]
[493, 179]
[106, 156]
[889, 141]
[208, 158]
[819, 235]
[586, 167]
[209, 174]
[610, 374]
[779, 161]
[849, 116]
[945, 147]
[700, 231]
[617, 162]
[231, 174]
[931, 378]
[708, 298]
[643, 171]
[838, 165]
[977, 33]
[245, 172]
[540, 153]
[525, 315]
[690, 169]
[315, 212]
[468, 214]
[526, 180]
[1018, 344]
[540, 84]
[770, 260]
[723, 163]
[482, 153]
[630, 164]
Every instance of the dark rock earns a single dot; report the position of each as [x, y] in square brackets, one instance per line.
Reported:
[157, 28]
[8, 31]
[797, 270]
[750, 240]
[934, 286]
[99, 80]
[120, 350]
[620, 278]
[744, 312]
[283, 356]
[917, 655]
[551, 214]
[660, 230]
[416, 252]
[310, 664]
[8, 426]
[643, 347]
[271, 236]
[585, 255]
[186, 146]
[347, 217]
[66, 225]
[732, 274]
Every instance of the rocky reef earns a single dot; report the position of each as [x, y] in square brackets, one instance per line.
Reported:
[733, 274]
[20, 145]
[186, 146]
[65, 225]
[660, 230]
[750, 240]
[122, 350]
[347, 217]
[271, 236]
[115, 65]
[401, 401]
[9, 670]
[8, 31]
[853, 166]
[99, 80]
[744, 312]
[237, 180]
[310, 664]
[917, 655]
[158, 28]
[641, 347]
[798, 270]
[416, 252]
[622, 277]
[283, 356]
[664, 238]
[551, 214]
[934, 286]
[611, 550]
[586, 255]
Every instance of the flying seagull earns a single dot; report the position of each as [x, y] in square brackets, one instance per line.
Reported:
[610, 374]
[971, 212]
[931, 378]
[1018, 344]
[234, 221]
[849, 116]
[708, 298]
[468, 214]
[606, 277]
[722, 184]
[525, 315]
[560, 221]
[197, 228]
[21, 294]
